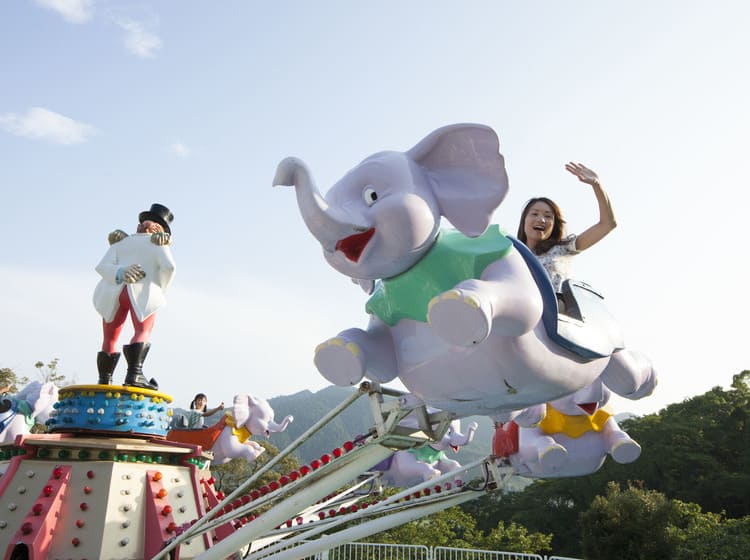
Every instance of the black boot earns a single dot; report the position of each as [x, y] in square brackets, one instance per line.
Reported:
[106, 363]
[135, 354]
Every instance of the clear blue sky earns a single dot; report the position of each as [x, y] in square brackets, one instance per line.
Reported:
[108, 106]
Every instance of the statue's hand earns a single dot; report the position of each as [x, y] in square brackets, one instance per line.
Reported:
[116, 236]
[133, 273]
[161, 238]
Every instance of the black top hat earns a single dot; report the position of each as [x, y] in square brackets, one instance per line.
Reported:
[159, 214]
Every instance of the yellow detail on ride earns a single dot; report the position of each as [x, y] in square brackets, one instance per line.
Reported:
[555, 422]
[472, 301]
[242, 434]
[136, 393]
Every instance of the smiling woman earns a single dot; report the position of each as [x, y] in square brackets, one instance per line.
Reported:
[542, 228]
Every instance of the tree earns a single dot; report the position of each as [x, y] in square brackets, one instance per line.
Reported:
[634, 524]
[231, 475]
[711, 535]
[516, 538]
[638, 524]
[455, 528]
[9, 379]
[48, 372]
[451, 527]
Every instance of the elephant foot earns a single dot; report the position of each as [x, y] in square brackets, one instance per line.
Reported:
[458, 318]
[552, 458]
[340, 362]
[630, 374]
[625, 451]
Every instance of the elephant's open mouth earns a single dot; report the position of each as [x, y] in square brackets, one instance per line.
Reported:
[353, 245]
[588, 408]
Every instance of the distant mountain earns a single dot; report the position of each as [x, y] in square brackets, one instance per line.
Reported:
[308, 407]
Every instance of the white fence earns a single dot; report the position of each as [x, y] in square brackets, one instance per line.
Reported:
[375, 551]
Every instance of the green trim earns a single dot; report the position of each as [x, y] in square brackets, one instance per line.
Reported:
[427, 454]
[452, 259]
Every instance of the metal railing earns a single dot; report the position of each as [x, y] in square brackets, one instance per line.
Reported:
[375, 551]
[378, 551]
[444, 553]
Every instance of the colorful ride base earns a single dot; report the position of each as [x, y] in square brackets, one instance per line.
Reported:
[111, 409]
[105, 484]
[78, 496]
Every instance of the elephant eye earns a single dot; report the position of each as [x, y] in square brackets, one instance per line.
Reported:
[370, 196]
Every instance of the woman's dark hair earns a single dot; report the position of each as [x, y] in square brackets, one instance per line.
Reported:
[558, 228]
[199, 396]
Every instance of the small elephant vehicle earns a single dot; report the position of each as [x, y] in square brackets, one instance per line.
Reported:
[229, 438]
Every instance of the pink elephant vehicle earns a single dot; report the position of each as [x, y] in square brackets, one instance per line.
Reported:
[467, 318]
[571, 436]
[229, 438]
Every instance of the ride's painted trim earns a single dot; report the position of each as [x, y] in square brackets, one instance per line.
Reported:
[157, 522]
[42, 526]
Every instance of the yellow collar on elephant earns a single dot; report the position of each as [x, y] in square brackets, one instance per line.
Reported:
[242, 433]
[555, 422]
[453, 258]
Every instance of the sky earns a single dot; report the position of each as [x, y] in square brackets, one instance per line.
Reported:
[109, 106]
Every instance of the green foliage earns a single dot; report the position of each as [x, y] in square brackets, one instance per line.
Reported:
[711, 535]
[231, 475]
[10, 381]
[450, 527]
[635, 524]
[455, 528]
[48, 373]
[516, 538]
[697, 451]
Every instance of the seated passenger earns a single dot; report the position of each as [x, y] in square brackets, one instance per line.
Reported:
[199, 410]
[542, 229]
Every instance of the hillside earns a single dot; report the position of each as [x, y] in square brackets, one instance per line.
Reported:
[308, 407]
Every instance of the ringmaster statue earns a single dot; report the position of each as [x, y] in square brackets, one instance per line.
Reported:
[136, 272]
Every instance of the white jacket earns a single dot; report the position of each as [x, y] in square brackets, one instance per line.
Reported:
[146, 295]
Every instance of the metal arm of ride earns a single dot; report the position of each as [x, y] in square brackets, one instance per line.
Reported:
[287, 501]
[388, 509]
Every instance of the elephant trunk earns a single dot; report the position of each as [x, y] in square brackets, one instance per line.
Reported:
[274, 427]
[319, 218]
[459, 440]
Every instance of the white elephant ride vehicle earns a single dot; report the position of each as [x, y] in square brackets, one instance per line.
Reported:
[229, 438]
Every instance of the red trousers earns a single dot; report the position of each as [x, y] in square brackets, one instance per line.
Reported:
[113, 329]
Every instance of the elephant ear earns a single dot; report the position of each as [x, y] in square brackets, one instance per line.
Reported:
[241, 407]
[47, 398]
[262, 409]
[467, 173]
[30, 393]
